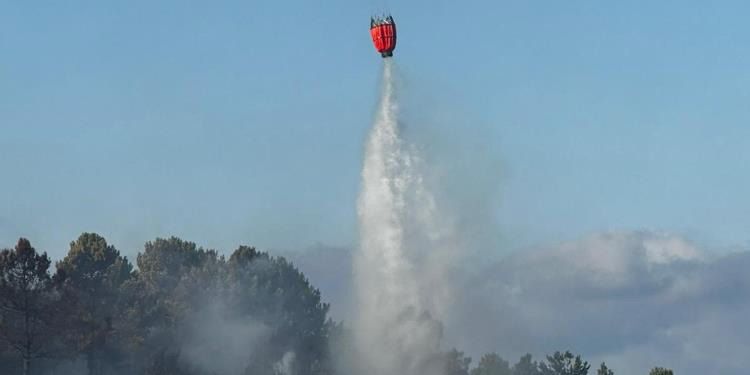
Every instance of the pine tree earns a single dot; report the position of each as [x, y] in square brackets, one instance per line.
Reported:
[26, 302]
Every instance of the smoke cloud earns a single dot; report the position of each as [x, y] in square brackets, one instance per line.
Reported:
[218, 342]
[284, 366]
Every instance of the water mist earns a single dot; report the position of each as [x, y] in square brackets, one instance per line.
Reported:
[397, 292]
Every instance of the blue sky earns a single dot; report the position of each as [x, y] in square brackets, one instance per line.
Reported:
[243, 122]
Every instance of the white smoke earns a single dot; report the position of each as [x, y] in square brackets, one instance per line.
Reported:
[285, 365]
[215, 341]
[398, 288]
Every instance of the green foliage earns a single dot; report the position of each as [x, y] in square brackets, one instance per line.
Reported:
[178, 281]
[564, 364]
[604, 370]
[184, 300]
[273, 291]
[660, 371]
[173, 276]
[91, 277]
[456, 363]
[526, 366]
[244, 256]
[26, 303]
[492, 364]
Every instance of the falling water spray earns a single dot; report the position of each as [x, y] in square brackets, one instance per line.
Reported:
[396, 329]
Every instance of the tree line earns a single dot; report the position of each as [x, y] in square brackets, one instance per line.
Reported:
[184, 310]
[98, 314]
[559, 363]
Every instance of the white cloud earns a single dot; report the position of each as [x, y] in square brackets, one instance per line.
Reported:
[635, 299]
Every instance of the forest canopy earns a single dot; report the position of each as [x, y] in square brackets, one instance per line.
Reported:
[185, 310]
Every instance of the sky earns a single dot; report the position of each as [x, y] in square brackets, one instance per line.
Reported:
[611, 138]
[243, 122]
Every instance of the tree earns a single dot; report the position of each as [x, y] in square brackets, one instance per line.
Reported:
[174, 275]
[176, 279]
[91, 275]
[271, 290]
[456, 363]
[604, 370]
[10, 361]
[492, 364]
[26, 302]
[660, 371]
[164, 363]
[526, 366]
[180, 283]
[564, 364]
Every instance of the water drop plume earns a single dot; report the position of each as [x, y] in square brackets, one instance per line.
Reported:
[396, 329]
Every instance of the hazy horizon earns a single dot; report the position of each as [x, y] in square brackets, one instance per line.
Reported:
[592, 159]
